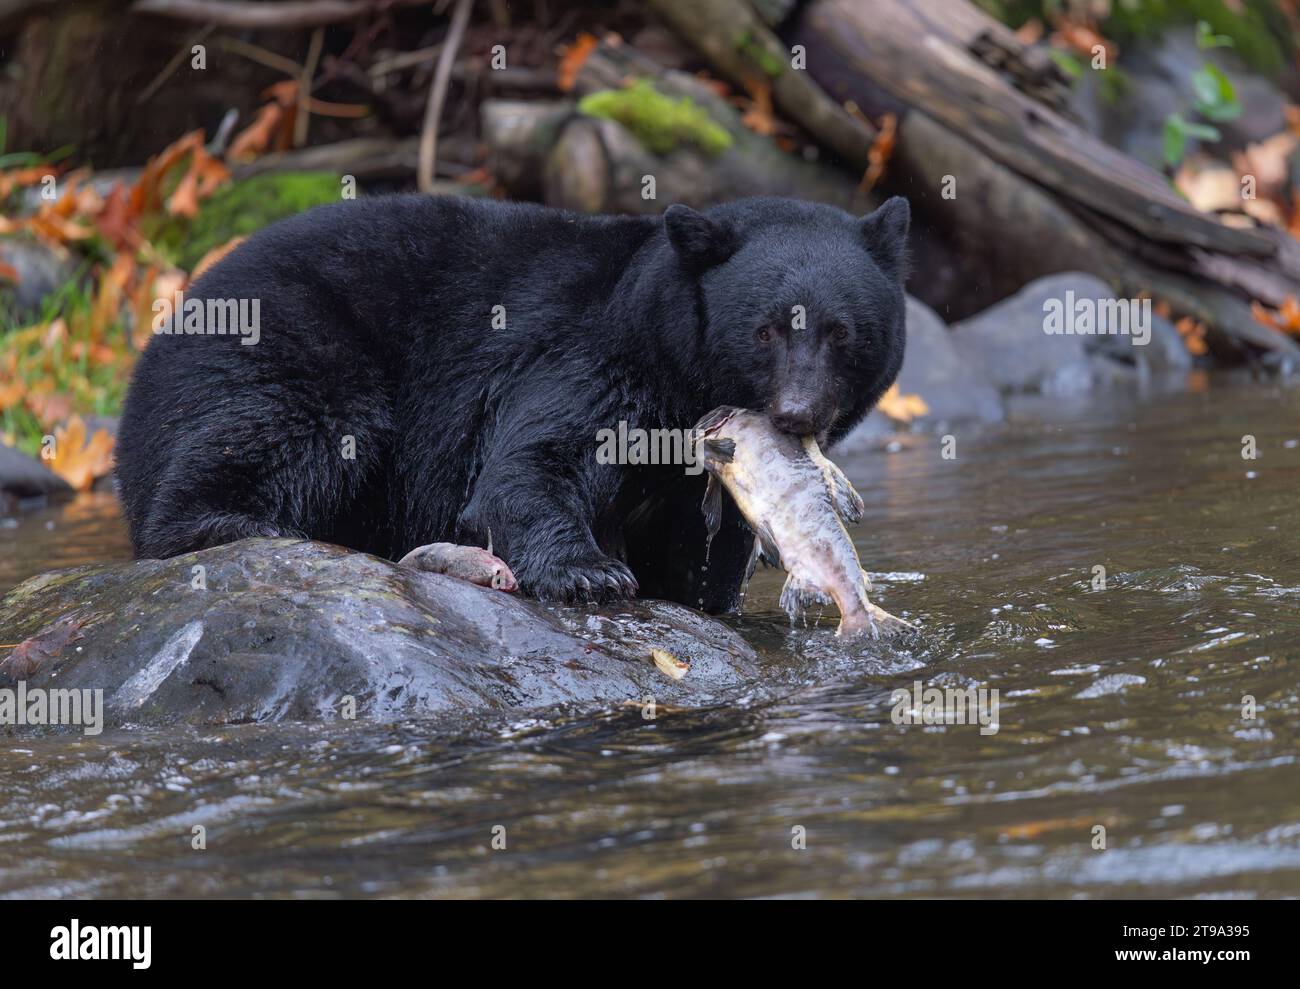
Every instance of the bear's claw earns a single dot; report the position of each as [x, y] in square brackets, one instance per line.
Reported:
[601, 580]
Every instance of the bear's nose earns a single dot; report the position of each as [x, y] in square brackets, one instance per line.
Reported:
[795, 418]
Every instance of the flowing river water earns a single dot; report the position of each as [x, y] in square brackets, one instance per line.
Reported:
[1122, 719]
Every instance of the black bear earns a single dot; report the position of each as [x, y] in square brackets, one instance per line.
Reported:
[426, 369]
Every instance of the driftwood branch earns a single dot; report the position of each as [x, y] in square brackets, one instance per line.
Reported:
[741, 47]
[264, 16]
[438, 94]
[1035, 193]
[549, 150]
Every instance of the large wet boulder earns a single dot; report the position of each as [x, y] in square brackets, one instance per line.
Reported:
[954, 389]
[1011, 343]
[265, 630]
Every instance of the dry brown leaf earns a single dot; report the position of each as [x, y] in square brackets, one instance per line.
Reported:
[1082, 39]
[201, 179]
[758, 115]
[1210, 187]
[47, 644]
[572, 58]
[1285, 319]
[669, 665]
[272, 128]
[20, 178]
[47, 406]
[1193, 334]
[108, 300]
[80, 462]
[1030, 32]
[882, 149]
[11, 394]
[900, 407]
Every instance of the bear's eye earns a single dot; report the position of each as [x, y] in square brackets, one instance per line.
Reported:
[839, 332]
[763, 334]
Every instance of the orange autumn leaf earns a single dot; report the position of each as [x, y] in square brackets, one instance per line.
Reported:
[8, 273]
[11, 394]
[900, 407]
[572, 59]
[22, 177]
[108, 300]
[272, 128]
[1292, 114]
[1082, 39]
[47, 406]
[80, 462]
[200, 180]
[1193, 334]
[1035, 829]
[1286, 319]
[1030, 32]
[115, 222]
[882, 149]
[759, 116]
[146, 194]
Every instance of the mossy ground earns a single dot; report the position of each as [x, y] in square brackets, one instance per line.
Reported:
[659, 122]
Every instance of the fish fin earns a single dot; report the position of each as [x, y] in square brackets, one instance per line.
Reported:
[866, 579]
[767, 545]
[716, 418]
[712, 506]
[889, 624]
[754, 554]
[797, 595]
[717, 451]
[846, 499]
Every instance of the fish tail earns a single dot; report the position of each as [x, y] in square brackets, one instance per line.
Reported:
[855, 624]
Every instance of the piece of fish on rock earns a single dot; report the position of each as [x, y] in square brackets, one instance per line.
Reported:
[796, 501]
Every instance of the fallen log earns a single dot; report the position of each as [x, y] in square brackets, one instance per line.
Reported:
[1030, 191]
[552, 151]
[253, 16]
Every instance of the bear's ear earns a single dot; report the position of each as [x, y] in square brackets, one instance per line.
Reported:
[699, 241]
[885, 234]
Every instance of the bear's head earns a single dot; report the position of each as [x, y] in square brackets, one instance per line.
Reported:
[802, 306]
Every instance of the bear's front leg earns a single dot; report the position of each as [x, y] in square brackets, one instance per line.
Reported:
[538, 511]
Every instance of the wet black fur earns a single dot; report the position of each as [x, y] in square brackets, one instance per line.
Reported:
[376, 324]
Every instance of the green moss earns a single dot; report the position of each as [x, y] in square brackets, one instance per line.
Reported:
[658, 121]
[758, 53]
[240, 209]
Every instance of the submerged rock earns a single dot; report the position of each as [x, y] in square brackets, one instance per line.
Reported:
[24, 477]
[267, 630]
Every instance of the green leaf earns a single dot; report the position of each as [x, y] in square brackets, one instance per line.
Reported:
[1206, 38]
[1175, 139]
[1202, 132]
